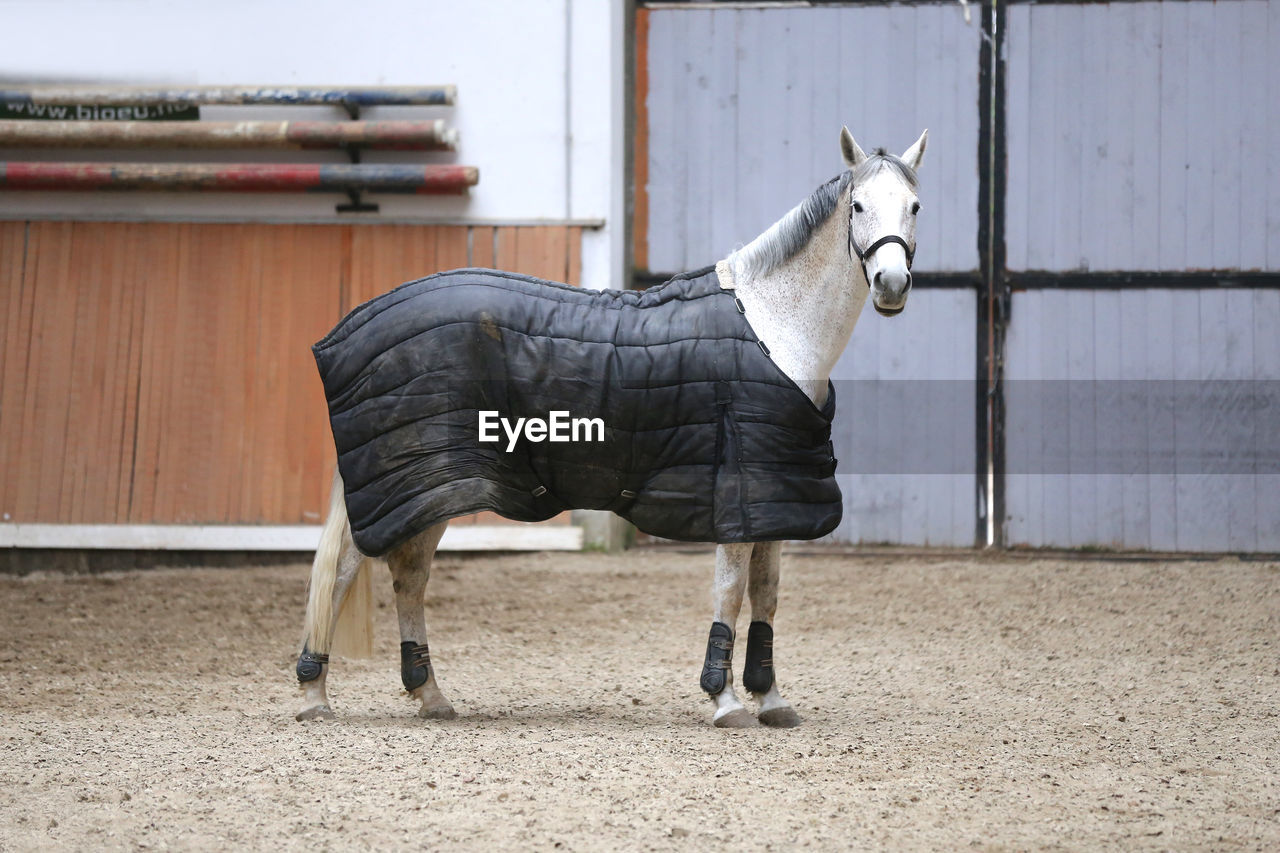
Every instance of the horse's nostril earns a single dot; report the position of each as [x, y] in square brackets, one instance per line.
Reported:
[877, 277]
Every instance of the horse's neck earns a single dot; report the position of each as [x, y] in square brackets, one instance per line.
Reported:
[805, 309]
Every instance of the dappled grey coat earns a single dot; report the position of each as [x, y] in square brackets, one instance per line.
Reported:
[705, 438]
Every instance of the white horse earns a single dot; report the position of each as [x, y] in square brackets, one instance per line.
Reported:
[803, 284]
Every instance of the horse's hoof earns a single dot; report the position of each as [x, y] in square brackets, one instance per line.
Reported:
[780, 718]
[739, 718]
[438, 712]
[319, 712]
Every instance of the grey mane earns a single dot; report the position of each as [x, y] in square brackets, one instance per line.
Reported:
[792, 233]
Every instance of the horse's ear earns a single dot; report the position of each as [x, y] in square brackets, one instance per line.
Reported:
[915, 154]
[853, 155]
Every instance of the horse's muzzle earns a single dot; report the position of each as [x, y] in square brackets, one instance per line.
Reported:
[891, 286]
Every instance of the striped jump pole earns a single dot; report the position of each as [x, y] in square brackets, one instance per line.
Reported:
[240, 177]
[386, 135]
[127, 96]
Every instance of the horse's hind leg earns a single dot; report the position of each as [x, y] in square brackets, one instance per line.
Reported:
[757, 674]
[313, 664]
[717, 671]
[410, 566]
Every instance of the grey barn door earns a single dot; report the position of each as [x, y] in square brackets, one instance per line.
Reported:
[1142, 365]
[740, 109]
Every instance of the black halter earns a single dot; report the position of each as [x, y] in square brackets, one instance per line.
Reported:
[863, 254]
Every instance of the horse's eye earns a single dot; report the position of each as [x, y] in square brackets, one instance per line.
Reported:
[857, 207]
[915, 208]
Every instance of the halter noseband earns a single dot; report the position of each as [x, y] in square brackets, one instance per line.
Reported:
[863, 254]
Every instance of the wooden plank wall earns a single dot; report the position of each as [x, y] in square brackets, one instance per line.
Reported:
[1137, 136]
[743, 109]
[162, 373]
[904, 431]
[1138, 141]
[1144, 419]
[729, 143]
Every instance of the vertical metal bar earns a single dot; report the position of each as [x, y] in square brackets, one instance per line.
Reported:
[993, 295]
[357, 204]
[983, 485]
[1000, 290]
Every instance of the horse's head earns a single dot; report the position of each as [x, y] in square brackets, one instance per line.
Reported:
[883, 205]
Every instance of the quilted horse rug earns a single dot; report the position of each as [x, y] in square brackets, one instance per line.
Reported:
[702, 437]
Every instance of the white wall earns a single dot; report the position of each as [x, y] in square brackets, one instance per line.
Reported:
[539, 97]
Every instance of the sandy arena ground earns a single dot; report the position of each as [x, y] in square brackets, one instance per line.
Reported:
[951, 700]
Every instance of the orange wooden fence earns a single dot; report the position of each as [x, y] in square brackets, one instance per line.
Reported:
[161, 373]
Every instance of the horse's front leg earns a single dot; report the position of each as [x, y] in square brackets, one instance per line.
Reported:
[728, 588]
[410, 566]
[757, 675]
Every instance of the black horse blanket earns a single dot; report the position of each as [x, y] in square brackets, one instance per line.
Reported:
[702, 437]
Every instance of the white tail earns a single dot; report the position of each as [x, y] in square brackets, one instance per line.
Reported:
[353, 636]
